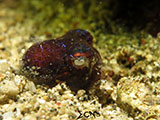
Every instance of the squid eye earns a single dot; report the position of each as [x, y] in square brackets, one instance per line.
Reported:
[80, 62]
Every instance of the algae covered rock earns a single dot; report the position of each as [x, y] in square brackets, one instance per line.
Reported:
[137, 98]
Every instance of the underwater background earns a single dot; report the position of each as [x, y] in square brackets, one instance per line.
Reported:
[125, 33]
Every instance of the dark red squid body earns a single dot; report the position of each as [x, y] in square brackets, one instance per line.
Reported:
[70, 58]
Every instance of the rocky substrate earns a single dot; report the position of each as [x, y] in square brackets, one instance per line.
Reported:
[128, 90]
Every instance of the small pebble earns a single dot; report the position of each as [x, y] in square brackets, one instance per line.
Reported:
[4, 66]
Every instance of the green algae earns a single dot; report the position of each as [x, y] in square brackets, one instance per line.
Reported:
[57, 17]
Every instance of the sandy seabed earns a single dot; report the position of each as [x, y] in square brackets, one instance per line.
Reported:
[130, 89]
